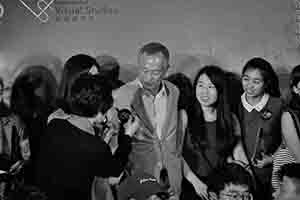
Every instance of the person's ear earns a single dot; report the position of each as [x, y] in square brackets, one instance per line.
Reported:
[166, 71]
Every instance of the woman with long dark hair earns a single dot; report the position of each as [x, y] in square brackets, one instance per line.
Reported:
[212, 127]
[260, 115]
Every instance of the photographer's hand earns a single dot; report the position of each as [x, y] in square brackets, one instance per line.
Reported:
[109, 134]
[132, 126]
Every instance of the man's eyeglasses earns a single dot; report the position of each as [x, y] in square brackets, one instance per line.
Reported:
[236, 195]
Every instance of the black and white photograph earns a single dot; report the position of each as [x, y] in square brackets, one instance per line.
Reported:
[150, 99]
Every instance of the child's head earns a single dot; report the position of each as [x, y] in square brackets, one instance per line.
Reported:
[141, 186]
[233, 182]
[290, 181]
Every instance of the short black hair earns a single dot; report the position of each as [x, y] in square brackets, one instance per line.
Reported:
[231, 173]
[153, 48]
[109, 66]
[75, 65]
[291, 170]
[89, 95]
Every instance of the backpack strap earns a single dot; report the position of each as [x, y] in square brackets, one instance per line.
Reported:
[251, 166]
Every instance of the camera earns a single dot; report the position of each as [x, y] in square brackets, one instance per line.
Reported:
[124, 115]
[116, 125]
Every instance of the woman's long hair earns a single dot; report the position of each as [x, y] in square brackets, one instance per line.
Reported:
[271, 81]
[224, 124]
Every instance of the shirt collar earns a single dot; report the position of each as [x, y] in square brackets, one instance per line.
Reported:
[162, 92]
[78, 121]
[258, 107]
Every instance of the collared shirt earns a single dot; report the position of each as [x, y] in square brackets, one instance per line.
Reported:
[156, 107]
[258, 107]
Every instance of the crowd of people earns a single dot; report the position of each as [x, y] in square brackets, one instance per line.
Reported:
[160, 136]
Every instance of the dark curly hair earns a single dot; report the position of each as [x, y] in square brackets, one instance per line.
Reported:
[89, 94]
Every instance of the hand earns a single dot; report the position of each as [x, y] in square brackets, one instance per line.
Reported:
[171, 192]
[266, 160]
[213, 196]
[132, 126]
[25, 149]
[275, 194]
[109, 133]
[200, 188]
[115, 180]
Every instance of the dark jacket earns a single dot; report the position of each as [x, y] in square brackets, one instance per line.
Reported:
[70, 158]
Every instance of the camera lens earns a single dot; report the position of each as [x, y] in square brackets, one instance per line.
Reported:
[124, 115]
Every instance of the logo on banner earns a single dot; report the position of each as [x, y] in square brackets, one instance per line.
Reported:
[39, 8]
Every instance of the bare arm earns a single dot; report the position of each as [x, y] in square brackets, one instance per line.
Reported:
[290, 135]
[199, 186]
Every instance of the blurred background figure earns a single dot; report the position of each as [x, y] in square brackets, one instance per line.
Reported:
[235, 90]
[110, 67]
[4, 109]
[185, 87]
[33, 98]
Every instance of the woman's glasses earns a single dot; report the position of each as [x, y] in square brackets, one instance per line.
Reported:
[235, 195]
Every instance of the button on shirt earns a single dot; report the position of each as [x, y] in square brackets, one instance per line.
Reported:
[156, 108]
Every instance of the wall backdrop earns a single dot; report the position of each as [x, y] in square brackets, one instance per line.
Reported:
[197, 32]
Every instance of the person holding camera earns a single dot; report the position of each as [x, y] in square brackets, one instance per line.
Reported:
[71, 152]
